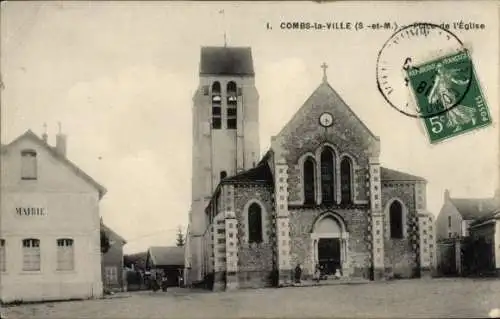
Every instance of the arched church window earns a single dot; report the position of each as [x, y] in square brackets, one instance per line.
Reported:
[216, 88]
[216, 106]
[327, 176]
[254, 223]
[396, 220]
[346, 180]
[232, 104]
[309, 194]
[231, 88]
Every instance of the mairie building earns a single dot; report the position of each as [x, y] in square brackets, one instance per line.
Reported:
[318, 197]
[49, 224]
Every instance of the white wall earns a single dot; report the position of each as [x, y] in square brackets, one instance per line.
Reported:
[497, 244]
[72, 211]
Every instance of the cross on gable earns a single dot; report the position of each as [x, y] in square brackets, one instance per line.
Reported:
[324, 66]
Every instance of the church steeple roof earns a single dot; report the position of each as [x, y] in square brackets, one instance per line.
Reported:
[226, 61]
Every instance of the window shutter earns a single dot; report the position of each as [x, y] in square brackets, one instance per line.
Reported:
[240, 91]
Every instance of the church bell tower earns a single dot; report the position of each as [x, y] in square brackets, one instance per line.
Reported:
[225, 132]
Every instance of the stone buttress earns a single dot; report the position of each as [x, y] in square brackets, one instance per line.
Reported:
[377, 216]
[426, 233]
[231, 225]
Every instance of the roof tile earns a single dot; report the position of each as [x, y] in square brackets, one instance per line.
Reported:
[167, 256]
[226, 61]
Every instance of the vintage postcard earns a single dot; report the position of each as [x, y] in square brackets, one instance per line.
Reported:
[306, 159]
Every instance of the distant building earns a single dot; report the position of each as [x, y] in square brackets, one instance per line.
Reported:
[168, 259]
[135, 265]
[112, 261]
[457, 214]
[468, 237]
[49, 225]
[486, 234]
[136, 261]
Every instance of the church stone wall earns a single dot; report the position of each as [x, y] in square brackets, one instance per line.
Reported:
[301, 226]
[401, 255]
[255, 261]
[348, 135]
[297, 149]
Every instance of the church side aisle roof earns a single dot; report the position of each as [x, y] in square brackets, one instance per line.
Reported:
[226, 61]
[390, 175]
[259, 174]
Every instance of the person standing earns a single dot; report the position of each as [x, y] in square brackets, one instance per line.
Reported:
[298, 274]
[317, 273]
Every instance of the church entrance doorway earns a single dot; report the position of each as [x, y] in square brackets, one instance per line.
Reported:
[329, 240]
[329, 255]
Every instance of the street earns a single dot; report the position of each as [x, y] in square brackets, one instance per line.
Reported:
[397, 299]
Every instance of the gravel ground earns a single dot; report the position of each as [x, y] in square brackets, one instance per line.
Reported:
[404, 298]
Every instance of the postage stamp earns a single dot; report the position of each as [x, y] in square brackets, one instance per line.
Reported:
[448, 96]
[412, 45]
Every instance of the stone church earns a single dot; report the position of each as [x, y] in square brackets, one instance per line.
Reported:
[318, 197]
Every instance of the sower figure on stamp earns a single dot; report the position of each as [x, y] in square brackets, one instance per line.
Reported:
[442, 92]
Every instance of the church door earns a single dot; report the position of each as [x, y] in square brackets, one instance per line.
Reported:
[329, 255]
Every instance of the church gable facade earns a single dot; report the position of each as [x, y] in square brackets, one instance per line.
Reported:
[319, 198]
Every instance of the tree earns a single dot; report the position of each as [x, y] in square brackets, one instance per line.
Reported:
[105, 244]
[180, 238]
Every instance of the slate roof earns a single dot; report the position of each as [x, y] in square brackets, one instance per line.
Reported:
[495, 214]
[473, 208]
[139, 259]
[389, 175]
[260, 174]
[112, 234]
[167, 256]
[29, 134]
[226, 61]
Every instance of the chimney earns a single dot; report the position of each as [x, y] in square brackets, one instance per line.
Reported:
[61, 142]
[446, 194]
[45, 136]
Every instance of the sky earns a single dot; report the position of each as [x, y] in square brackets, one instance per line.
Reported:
[120, 77]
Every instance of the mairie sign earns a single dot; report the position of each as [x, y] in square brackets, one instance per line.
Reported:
[31, 211]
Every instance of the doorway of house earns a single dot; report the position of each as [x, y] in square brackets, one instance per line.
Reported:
[329, 255]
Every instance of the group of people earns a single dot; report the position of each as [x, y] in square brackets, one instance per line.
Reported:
[319, 273]
[159, 280]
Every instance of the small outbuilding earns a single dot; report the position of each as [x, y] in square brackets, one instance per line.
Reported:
[170, 260]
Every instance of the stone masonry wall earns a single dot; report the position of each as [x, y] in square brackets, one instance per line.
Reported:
[348, 135]
[301, 226]
[255, 261]
[401, 255]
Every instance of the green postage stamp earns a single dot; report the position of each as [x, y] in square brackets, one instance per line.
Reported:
[448, 96]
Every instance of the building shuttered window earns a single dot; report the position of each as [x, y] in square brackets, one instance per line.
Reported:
[111, 273]
[31, 254]
[28, 164]
[65, 254]
[2, 255]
